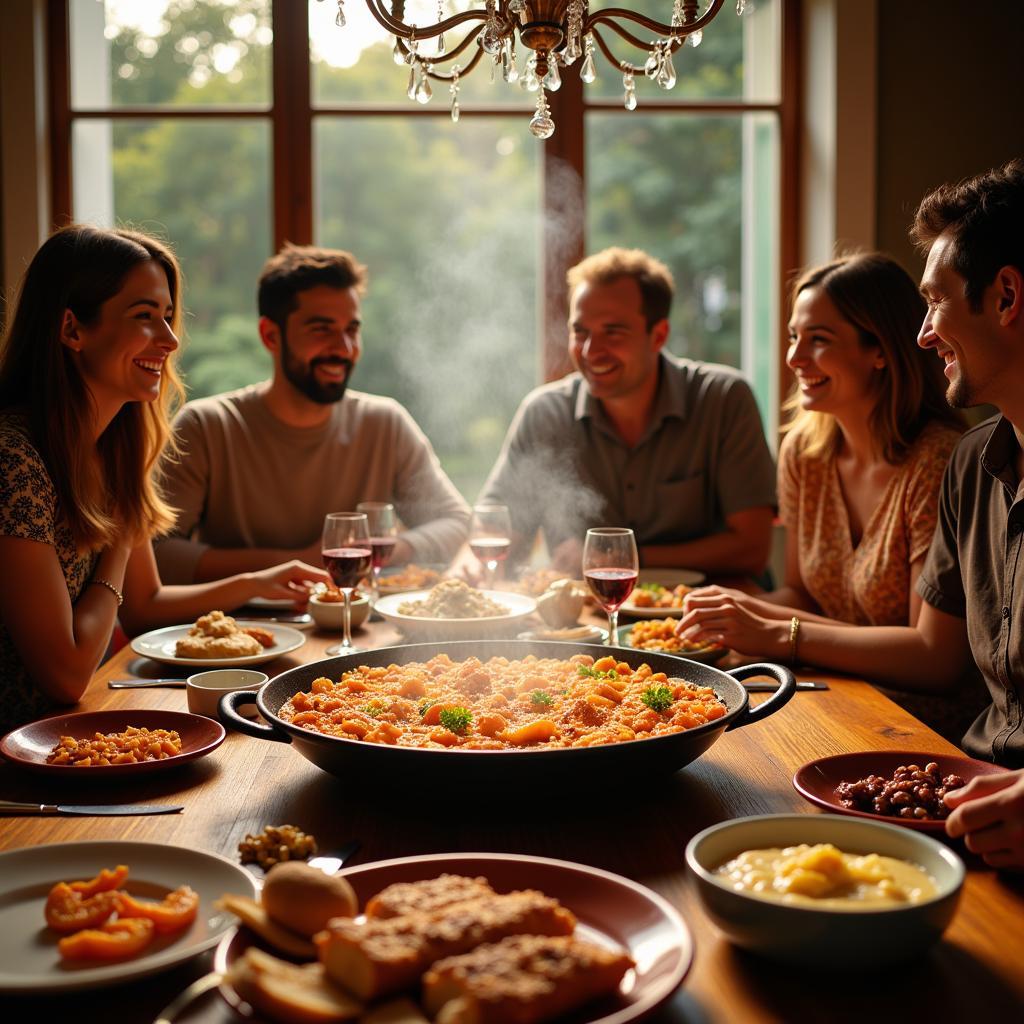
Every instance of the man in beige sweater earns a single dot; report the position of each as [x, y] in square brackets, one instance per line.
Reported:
[261, 466]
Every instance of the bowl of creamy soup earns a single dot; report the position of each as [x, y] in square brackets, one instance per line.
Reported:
[825, 890]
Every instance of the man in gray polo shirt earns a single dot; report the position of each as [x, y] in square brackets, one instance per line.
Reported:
[670, 447]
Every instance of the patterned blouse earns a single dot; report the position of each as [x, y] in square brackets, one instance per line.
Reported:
[28, 509]
[868, 584]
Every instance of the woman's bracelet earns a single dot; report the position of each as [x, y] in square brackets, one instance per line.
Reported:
[110, 586]
[794, 639]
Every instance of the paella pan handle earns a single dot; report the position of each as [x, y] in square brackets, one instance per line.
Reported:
[787, 687]
[227, 709]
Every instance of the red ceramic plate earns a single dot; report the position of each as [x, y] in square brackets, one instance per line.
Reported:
[817, 780]
[30, 745]
[610, 910]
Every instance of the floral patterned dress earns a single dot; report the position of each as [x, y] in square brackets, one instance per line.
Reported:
[29, 509]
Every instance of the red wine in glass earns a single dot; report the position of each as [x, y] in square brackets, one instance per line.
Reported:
[490, 549]
[382, 548]
[611, 586]
[347, 566]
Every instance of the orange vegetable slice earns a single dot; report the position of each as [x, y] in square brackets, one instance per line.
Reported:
[66, 911]
[176, 910]
[103, 882]
[115, 940]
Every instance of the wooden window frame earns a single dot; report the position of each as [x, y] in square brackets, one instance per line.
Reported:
[291, 114]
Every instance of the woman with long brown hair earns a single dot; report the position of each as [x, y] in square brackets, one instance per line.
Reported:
[859, 469]
[87, 384]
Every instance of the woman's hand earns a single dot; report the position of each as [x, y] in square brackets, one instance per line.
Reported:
[989, 814]
[290, 580]
[729, 617]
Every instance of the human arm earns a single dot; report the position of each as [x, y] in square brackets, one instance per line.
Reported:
[59, 643]
[741, 548]
[989, 813]
[148, 604]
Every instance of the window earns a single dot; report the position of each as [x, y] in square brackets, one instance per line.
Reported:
[230, 126]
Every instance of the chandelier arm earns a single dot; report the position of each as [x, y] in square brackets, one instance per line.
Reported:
[622, 65]
[404, 31]
[448, 76]
[609, 15]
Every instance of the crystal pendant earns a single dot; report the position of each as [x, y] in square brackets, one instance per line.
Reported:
[339, 18]
[516, 6]
[423, 90]
[653, 63]
[572, 51]
[454, 90]
[531, 83]
[553, 80]
[629, 97]
[667, 73]
[744, 7]
[396, 54]
[541, 125]
[491, 38]
[513, 71]
[695, 38]
[440, 17]
[413, 81]
[588, 70]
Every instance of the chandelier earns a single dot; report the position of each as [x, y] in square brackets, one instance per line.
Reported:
[558, 33]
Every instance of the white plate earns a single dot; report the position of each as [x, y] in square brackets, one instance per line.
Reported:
[667, 578]
[159, 645]
[519, 607]
[270, 602]
[29, 961]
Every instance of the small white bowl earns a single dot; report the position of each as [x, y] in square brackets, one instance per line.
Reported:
[796, 933]
[330, 615]
[205, 689]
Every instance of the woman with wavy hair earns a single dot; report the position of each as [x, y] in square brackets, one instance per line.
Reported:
[87, 384]
[859, 471]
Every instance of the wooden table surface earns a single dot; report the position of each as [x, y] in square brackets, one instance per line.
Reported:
[639, 831]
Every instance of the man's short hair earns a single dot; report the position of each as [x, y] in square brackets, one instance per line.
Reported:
[297, 268]
[984, 217]
[653, 278]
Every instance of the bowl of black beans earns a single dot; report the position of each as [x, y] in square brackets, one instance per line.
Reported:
[902, 787]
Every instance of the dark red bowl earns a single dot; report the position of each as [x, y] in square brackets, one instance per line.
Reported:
[817, 780]
[29, 745]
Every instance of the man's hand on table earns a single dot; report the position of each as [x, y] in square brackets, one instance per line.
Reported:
[290, 580]
[989, 814]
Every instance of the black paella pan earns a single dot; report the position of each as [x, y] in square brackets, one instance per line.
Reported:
[343, 757]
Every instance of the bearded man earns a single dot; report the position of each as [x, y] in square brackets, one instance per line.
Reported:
[260, 467]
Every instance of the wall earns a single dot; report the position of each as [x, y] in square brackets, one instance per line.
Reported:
[949, 102]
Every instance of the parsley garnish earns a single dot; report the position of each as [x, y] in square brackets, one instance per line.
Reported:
[652, 588]
[426, 706]
[540, 697]
[373, 709]
[593, 673]
[455, 719]
[657, 698]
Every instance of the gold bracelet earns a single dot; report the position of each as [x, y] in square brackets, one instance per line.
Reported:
[794, 639]
[110, 586]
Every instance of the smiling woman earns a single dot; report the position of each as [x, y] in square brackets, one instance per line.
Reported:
[87, 380]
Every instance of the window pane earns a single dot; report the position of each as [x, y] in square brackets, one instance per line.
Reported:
[672, 185]
[215, 213]
[169, 53]
[736, 59]
[355, 64]
[446, 217]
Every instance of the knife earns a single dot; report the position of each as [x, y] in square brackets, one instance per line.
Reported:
[772, 687]
[11, 807]
[134, 684]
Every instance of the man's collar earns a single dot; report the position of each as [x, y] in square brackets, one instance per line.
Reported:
[999, 456]
[669, 400]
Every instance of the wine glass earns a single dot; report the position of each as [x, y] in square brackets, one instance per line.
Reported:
[347, 556]
[490, 536]
[380, 519]
[610, 567]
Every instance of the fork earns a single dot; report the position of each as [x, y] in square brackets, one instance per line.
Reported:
[170, 1013]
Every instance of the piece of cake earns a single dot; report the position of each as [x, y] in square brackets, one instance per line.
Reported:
[525, 979]
[379, 956]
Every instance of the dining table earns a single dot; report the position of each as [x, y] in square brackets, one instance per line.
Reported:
[637, 828]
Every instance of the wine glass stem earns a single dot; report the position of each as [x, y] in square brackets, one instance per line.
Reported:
[491, 569]
[613, 624]
[347, 640]
[376, 583]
